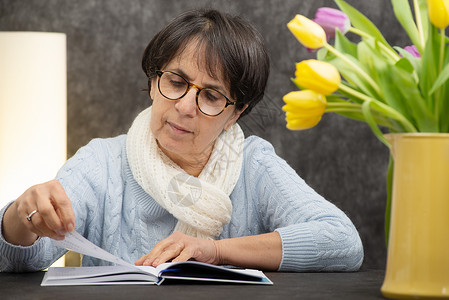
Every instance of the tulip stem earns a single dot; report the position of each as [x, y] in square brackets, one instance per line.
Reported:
[380, 107]
[356, 110]
[342, 104]
[366, 109]
[393, 55]
[350, 107]
[359, 32]
[381, 120]
[419, 26]
[354, 66]
[440, 67]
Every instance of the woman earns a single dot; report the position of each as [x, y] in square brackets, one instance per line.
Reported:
[184, 183]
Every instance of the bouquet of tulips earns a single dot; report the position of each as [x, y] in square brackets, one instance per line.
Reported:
[400, 89]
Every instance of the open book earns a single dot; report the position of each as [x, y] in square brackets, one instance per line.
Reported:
[126, 273]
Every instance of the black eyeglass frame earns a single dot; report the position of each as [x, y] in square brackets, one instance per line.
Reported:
[159, 73]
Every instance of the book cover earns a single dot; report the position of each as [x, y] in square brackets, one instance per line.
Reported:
[189, 270]
[125, 273]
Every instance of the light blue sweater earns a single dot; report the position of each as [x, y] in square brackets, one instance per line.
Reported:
[114, 212]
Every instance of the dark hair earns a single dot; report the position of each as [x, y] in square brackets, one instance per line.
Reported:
[232, 46]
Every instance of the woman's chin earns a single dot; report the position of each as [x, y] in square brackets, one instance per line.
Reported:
[173, 147]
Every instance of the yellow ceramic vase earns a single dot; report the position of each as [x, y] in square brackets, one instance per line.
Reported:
[418, 250]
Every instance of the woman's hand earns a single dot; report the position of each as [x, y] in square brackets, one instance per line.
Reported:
[180, 247]
[53, 218]
[263, 251]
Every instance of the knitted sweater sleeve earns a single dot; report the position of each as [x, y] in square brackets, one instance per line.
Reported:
[80, 179]
[315, 234]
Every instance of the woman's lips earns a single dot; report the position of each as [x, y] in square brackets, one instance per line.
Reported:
[178, 129]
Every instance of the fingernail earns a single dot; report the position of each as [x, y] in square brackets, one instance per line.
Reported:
[59, 237]
[70, 227]
[60, 232]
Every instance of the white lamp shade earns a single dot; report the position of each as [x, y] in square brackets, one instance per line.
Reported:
[33, 110]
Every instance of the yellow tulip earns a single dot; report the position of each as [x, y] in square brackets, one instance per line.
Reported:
[438, 12]
[303, 109]
[303, 123]
[319, 76]
[308, 33]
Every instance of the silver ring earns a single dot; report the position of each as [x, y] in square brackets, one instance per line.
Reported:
[31, 214]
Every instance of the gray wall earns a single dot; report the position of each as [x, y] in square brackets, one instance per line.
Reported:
[339, 158]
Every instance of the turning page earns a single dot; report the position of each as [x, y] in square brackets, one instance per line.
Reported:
[127, 273]
[76, 242]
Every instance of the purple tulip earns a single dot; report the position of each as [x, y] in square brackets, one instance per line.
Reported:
[330, 19]
[412, 50]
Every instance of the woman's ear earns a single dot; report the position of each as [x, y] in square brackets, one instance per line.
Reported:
[153, 89]
[234, 117]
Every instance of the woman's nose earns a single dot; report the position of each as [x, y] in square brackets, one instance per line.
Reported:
[187, 104]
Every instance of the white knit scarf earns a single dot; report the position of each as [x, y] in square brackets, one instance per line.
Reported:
[201, 204]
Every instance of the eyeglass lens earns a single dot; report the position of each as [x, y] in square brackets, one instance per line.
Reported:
[173, 87]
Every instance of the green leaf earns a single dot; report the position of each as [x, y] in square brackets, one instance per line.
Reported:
[344, 45]
[295, 83]
[404, 15]
[321, 54]
[402, 94]
[405, 65]
[366, 109]
[361, 22]
[354, 80]
[353, 116]
[444, 109]
[389, 197]
[348, 96]
[371, 58]
[422, 11]
[414, 61]
[444, 105]
[379, 116]
[441, 79]
[335, 98]
[429, 60]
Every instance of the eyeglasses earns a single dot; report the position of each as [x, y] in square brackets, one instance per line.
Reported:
[209, 101]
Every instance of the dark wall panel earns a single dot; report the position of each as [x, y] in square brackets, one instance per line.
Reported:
[340, 158]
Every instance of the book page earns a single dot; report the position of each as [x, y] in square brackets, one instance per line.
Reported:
[126, 273]
[76, 242]
[99, 275]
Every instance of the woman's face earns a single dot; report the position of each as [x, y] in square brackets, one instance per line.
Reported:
[181, 130]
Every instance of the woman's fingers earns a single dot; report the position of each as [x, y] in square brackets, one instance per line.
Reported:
[54, 214]
[179, 247]
[185, 255]
[62, 206]
[164, 251]
[37, 225]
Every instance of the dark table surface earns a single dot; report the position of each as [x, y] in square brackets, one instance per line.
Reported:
[364, 284]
